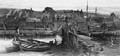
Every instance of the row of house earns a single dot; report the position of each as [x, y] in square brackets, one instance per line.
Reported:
[99, 24]
[45, 20]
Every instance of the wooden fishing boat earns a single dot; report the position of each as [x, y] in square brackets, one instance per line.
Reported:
[31, 45]
[35, 46]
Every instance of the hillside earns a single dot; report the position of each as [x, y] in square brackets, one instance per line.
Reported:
[39, 13]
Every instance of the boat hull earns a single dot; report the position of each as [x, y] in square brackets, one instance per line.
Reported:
[32, 45]
[34, 49]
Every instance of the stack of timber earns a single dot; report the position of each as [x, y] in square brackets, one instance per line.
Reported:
[116, 32]
[105, 33]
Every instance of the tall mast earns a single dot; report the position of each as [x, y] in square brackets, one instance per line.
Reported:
[87, 16]
[95, 11]
[87, 9]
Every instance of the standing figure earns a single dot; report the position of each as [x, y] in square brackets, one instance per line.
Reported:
[17, 30]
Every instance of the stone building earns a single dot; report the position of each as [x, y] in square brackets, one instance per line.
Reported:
[81, 24]
[36, 27]
[95, 23]
[109, 26]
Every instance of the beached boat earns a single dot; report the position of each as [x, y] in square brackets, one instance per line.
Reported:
[31, 45]
[34, 47]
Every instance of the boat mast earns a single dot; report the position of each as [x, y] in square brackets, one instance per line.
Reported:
[87, 16]
[87, 9]
[95, 11]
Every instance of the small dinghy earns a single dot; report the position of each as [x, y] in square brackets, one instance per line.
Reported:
[31, 45]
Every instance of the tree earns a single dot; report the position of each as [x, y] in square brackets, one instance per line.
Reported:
[112, 15]
[48, 9]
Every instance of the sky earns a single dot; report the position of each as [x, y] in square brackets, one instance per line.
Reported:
[58, 4]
